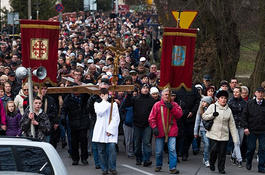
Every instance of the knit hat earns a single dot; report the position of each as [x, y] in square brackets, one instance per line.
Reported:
[207, 99]
[153, 90]
[144, 85]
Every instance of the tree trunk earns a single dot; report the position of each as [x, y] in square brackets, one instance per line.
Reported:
[258, 74]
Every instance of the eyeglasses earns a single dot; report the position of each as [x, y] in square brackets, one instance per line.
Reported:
[25, 90]
[77, 74]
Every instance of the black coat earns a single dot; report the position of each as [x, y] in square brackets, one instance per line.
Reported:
[142, 106]
[237, 106]
[191, 99]
[253, 117]
[77, 113]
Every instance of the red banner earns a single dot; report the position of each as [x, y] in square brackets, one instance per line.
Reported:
[40, 47]
[177, 58]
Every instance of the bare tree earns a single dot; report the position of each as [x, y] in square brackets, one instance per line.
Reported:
[259, 72]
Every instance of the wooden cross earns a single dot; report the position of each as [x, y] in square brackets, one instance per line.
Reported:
[94, 89]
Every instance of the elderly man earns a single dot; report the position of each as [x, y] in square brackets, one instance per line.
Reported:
[164, 128]
[253, 121]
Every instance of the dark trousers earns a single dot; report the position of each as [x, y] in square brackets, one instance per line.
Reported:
[251, 142]
[218, 149]
[188, 138]
[54, 136]
[79, 136]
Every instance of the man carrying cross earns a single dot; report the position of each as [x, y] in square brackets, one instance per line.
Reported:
[163, 121]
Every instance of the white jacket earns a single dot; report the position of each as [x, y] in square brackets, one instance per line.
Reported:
[19, 101]
[103, 126]
[221, 124]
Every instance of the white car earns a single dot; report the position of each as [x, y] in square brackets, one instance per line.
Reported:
[19, 154]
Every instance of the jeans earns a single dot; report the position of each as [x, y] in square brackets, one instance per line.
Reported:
[107, 156]
[128, 134]
[69, 135]
[171, 151]
[230, 144]
[142, 136]
[194, 145]
[62, 130]
[95, 150]
[237, 153]
[251, 142]
[206, 144]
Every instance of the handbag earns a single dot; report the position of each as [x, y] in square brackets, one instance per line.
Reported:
[209, 123]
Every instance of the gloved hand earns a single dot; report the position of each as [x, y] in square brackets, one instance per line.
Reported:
[63, 122]
[155, 131]
[168, 105]
[215, 114]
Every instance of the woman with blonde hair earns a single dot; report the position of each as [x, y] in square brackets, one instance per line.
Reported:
[19, 100]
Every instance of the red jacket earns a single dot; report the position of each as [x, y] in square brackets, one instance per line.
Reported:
[155, 118]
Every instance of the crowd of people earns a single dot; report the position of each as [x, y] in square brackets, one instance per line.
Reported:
[92, 123]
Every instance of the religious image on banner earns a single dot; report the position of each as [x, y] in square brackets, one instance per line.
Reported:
[40, 47]
[177, 58]
[178, 55]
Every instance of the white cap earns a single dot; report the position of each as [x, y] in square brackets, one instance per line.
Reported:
[153, 90]
[90, 61]
[198, 86]
[72, 55]
[142, 59]
[81, 65]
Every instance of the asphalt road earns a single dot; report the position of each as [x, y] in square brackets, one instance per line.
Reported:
[127, 166]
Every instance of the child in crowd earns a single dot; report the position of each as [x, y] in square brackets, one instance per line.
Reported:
[205, 102]
[12, 120]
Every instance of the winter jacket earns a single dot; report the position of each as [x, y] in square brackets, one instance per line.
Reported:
[253, 117]
[41, 130]
[198, 122]
[126, 115]
[19, 101]
[5, 99]
[2, 113]
[159, 111]
[237, 106]
[76, 110]
[221, 124]
[12, 124]
[142, 106]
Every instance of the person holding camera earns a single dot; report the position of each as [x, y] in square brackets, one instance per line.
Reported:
[223, 122]
[165, 129]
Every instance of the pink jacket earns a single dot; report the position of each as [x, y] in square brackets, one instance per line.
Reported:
[155, 118]
[2, 113]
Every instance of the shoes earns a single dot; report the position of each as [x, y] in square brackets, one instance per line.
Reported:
[261, 171]
[157, 169]
[75, 162]
[240, 165]
[222, 172]
[212, 167]
[195, 152]
[207, 164]
[147, 163]
[105, 172]
[244, 160]
[64, 143]
[114, 172]
[228, 153]
[97, 167]
[233, 160]
[84, 161]
[138, 163]
[184, 158]
[174, 171]
[248, 166]
[131, 157]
